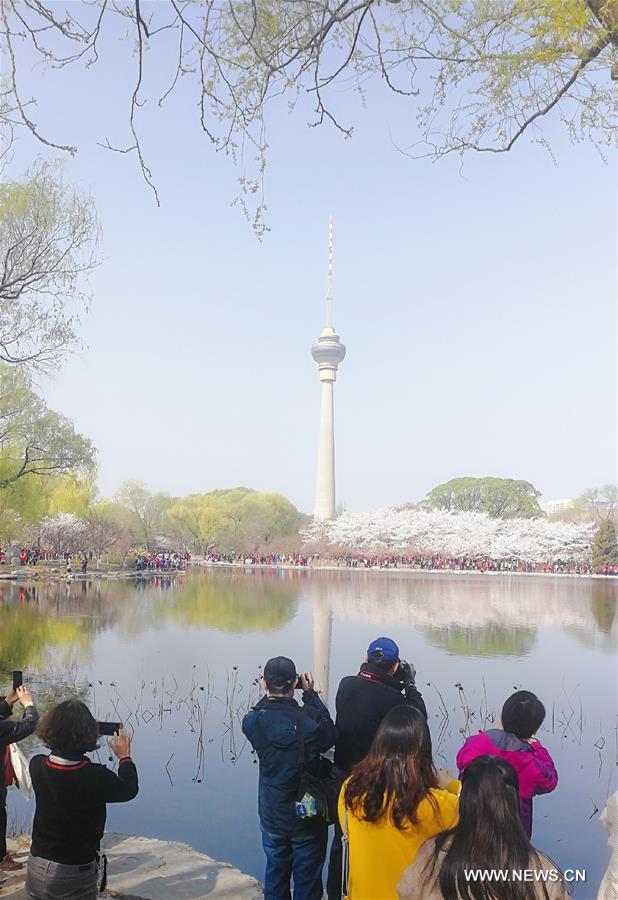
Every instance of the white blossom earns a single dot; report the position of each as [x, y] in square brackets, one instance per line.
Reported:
[454, 535]
[62, 533]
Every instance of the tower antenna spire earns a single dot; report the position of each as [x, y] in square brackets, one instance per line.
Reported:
[329, 292]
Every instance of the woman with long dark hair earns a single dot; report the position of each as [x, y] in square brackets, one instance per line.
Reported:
[392, 802]
[489, 844]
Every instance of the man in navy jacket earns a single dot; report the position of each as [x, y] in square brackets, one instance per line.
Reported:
[293, 846]
[383, 682]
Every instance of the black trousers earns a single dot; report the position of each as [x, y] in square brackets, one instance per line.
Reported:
[2, 822]
[333, 880]
[335, 860]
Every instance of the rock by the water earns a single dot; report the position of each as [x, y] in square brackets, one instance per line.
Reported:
[148, 869]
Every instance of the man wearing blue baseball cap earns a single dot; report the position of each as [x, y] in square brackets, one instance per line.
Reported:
[384, 681]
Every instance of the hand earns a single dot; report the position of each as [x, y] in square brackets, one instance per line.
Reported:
[307, 681]
[407, 672]
[11, 697]
[120, 744]
[444, 778]
[24, 696]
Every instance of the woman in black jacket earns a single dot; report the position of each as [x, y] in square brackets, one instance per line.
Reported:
[71, 795]
[10, 733]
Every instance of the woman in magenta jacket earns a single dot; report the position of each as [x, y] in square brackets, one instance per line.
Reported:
[522, 715]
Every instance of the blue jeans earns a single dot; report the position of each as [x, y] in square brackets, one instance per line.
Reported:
[302, 856]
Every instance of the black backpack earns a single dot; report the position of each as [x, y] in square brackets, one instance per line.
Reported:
[323, 788]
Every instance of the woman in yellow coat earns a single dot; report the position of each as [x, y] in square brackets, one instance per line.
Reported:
[393, 801]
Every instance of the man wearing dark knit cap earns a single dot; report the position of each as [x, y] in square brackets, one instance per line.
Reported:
[294, 846]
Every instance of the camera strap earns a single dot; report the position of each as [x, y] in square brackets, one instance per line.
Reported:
[102, 867]
[300, 738]
[371, 676]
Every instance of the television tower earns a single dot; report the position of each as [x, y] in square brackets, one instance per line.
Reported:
[328, 352]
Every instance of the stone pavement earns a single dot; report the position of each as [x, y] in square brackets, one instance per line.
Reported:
[147, 869]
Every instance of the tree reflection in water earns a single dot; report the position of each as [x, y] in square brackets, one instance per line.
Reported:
[236, 602]
[478, 615]
[486, 640]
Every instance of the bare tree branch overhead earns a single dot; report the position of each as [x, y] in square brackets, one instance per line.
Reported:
[478, 75]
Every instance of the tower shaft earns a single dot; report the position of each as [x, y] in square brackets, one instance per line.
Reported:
[325, 482]
[322, 637]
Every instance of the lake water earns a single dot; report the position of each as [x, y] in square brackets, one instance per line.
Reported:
[176, 659]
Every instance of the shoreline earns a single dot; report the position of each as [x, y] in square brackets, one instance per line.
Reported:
[43, 573]
[28, 573]
[406, 570]
[141, 868]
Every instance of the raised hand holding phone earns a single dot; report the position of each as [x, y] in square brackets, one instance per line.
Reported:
[12, 697]
[120, 744]
[24, 697]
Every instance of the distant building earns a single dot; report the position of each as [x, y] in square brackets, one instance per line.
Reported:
[551, 507]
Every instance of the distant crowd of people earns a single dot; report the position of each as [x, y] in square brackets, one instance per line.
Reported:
[31, 556]
[419, 561]
[260, 559]
[167, 561]
[28, 556]
[161, 562]
[472, 564]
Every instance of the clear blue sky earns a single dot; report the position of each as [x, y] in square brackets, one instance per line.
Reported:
[478, 311]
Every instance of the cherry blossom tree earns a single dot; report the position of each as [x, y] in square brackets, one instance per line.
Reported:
[63, 533]
[454, 534]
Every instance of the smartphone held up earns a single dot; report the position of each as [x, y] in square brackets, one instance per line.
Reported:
[108, 729]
